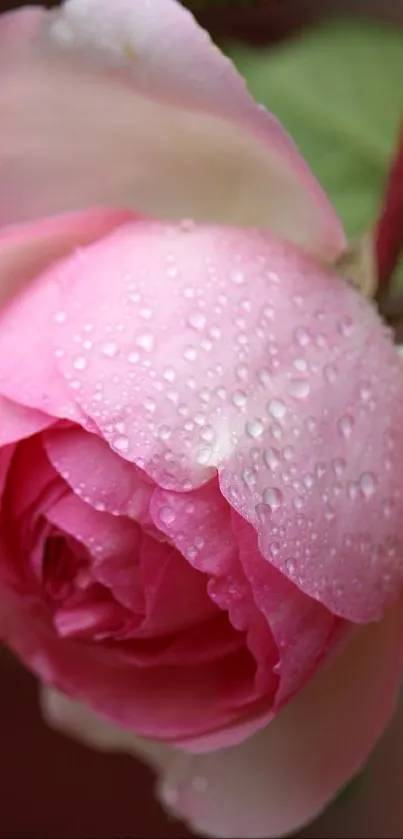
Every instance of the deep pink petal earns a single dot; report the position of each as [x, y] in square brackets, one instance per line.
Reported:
[199, 524]
[183, 137]
[280, 779]
[176, 596]
[98, 475]
[167, 703]
[303, 629]
[114, 544]
[226, 349]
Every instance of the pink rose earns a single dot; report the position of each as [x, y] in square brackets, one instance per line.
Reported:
[201, 436]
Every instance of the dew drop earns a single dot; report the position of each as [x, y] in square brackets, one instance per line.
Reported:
[272, 458]
[346, 327]
[239, 398]
[352, 490]
[299, 388]
[273, 497]
[264, 376]
[146, 341]
[302, 336]
[189, 353]
[169, 374]
[207, 434]
[164, 432]
[120, 443]
[288, 453]
[196, 320]
[365, 391]
[368, 484]
[80, 363]
[237, 277]
[145, 313]
[133, 358]
[110, 348]
[167, 515]
[274, 548]
[300, 364]
[254, 428]
[276, 408]
[338, 466]
[60, 317]
[345, 425]
[203, 456]
[290, 566]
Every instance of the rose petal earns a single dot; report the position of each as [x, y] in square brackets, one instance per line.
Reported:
[183, 137]
[98, 475]
[194, 702]
[199, 524]
[304, 631]
[27, 250]
[244, 356]
[279, 779]
[17, 422]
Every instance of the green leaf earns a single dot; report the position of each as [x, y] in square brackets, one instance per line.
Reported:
[338, 90]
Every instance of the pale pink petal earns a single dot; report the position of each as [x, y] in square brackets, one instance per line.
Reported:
[17, 422]
[240, 355]
[182, 136]
[27, 250]
[279, 779]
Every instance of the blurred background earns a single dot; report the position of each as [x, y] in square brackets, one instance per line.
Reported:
[338, 89]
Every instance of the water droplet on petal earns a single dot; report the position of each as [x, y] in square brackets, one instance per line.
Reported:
[368, 484]
[288, 453]
[167, 515]
[110, 348]
[302, 336]
[272, 458]
[299, 388]
[290, 566]
[80, 363]
[276, 408]
[146, 341]
[237, 277]
[197, 320]
[189, 353]
[239, 398]
[120, 443]
[345, 426]
[273, 497]
[275, 548]
[339, 466]
[254, 428]
[60, 317]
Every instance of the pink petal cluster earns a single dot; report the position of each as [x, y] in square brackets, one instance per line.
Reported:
[199, 423]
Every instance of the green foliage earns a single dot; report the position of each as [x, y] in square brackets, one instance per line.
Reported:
[338, 91]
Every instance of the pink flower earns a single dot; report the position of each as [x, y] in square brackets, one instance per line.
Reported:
[200, 428]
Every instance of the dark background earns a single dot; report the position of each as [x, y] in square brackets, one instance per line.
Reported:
[54, 788]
